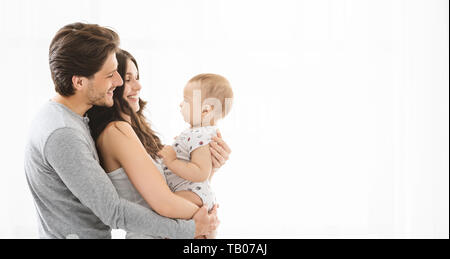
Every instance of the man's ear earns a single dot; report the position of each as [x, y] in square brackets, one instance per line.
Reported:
[79, 82]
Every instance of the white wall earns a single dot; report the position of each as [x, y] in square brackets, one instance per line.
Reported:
[340, 125]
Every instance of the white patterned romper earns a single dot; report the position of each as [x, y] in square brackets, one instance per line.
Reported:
[188, 141]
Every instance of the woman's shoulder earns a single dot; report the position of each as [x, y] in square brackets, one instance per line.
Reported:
[116, 127]
[115, 132]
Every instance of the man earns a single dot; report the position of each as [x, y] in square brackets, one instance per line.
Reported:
[73, 195]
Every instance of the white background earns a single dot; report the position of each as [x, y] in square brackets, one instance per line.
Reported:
[340, 125]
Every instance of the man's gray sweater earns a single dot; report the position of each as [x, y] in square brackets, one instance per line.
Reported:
[73, 196]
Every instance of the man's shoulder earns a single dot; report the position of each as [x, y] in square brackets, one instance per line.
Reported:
[49, 119]
[49, 115]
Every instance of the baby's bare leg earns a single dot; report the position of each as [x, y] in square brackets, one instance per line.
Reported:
[190, 196]
[194, 198]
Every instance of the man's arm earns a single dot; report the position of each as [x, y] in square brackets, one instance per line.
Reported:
[69, 154]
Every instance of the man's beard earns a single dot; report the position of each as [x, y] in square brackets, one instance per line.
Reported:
[98, 99]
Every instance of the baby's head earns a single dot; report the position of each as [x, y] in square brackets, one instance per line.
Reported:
[207, 99]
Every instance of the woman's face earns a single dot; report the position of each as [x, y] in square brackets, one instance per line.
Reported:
[132, 87]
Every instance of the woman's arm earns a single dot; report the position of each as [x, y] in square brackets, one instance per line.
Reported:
[126, 148]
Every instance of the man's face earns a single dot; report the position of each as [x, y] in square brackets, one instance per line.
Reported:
[101, 87]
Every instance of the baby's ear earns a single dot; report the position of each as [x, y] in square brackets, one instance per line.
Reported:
[207, 108]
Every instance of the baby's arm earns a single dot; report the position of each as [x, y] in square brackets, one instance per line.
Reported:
[196, 170]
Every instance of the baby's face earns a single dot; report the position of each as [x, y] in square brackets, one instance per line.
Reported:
[191, 100]
[186, 104]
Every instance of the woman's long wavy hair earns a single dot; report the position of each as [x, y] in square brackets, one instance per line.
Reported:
[100, 117]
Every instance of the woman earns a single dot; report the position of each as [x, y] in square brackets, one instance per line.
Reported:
[128, 148]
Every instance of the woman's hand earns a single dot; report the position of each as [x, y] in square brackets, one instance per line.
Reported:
[167, 154]
[220, 151]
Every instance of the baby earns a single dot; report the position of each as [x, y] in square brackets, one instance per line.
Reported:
[188, 164]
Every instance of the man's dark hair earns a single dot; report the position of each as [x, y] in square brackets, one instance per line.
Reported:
[79, 49]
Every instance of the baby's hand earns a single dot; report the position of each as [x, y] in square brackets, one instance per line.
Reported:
[167, 154]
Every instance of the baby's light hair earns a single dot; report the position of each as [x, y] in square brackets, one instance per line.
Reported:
[215, 86]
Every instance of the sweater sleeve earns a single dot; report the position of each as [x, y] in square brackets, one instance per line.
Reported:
[68, 153]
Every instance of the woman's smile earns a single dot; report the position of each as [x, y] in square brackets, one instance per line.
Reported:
[133, 98]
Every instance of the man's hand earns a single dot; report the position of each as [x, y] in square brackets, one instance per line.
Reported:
[205, 223]
[220, 151]
[167, 154]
